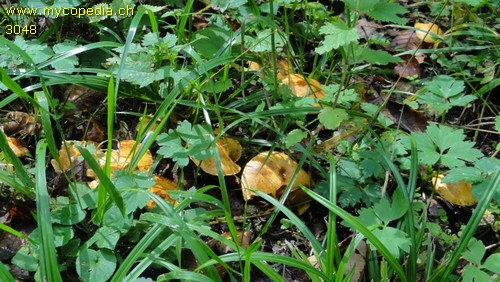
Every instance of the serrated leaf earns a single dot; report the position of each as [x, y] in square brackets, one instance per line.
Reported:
[445, 86]
[469, 174]
[294, 137]
[446, 145]
[393, 239]
[388, 12]
[331, 118]
[475, 251]
[336, 34]
[171, 147]
[377, 57]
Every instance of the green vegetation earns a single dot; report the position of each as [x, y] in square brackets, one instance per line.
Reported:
[373, 114]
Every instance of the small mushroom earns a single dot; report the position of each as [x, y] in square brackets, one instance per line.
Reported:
[427, 32]
[229, 152]
[270, 172]
[303, 88]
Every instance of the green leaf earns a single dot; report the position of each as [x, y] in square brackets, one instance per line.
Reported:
[393, 239]
[68, 214]
[65, 63]
[475, 251]
[331, 118]
[472, 273]
[445, 86]
[347, 96]
[171, 147]
[105, 238]
[209, 41]
[376, 57]
[94, 265]
[388, 12]
[262, 42]
[294, 137]
[336, 34]
[492, 264]
[466, 173]
[388, 212]
[497, 123]
[27, 258]
[445, 145]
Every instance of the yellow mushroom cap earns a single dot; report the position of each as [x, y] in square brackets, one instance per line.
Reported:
[269, 173]
[457, 193]
[426, 31]
[303, 88]
[229, 152]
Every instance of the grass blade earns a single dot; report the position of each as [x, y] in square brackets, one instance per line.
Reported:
[48, 261]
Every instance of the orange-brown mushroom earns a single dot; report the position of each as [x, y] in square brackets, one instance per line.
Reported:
[457, 193]
[270, 173]
[161, 188]
[229, 152]
[302, 87]
[427, 31]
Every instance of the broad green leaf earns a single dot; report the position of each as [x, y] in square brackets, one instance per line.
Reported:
[492, 264]
[336, 34]
[393, 239]
[472, 273]
[92, 265]
[361, 6]
[65, 63]
[331, 118]
[347, 96]
[262, 42]
[445, 145]
[113, 218]
[294, 137]
[445, 86]
[475, 251]
[388, 212]
[67, 214]
[171, 147]
[105, 238]
[466, 173]
[497, 123]
[208, 41]
[388, 12]
[27, 258]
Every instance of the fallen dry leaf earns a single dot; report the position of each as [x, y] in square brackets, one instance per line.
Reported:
[427, 32]
[16, 146]
[408, 118]
[457, 193]
[271, 173]
[409, 68]
[22, 123]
